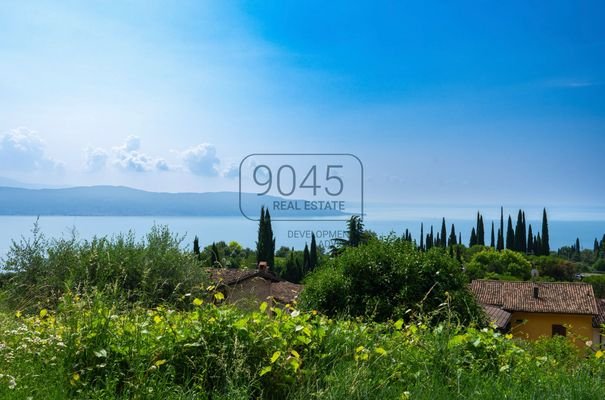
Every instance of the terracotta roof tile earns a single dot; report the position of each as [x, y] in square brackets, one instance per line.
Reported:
[487, 292]
[230, 276]
[285, 292]
[599, 319]
[497, 316]
[553, 297]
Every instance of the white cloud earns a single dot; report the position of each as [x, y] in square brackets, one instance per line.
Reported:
[133, 143]
[232, 171]
[162, 165]
[22, 149]
[128, 158]
[201, 160]
[96, 159]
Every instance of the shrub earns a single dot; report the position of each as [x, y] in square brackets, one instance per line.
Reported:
[598, 285]
[153, 270]
[505, 262]
[389, 278]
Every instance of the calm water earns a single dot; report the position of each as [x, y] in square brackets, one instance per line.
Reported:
[210, 229]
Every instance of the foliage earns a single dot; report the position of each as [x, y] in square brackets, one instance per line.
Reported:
[598, 285]
[153, 270]
[227, 255]
[505, 262]
[388, 278]
[93, 348]
[555, 267]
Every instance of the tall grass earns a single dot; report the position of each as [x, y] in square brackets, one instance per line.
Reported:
[150, 271]
[93, 347]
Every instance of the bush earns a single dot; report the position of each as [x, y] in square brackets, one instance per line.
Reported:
[599, 265]
[555, 267]
[389, 278]
[152, 271]
[505, 262]
[598, 285]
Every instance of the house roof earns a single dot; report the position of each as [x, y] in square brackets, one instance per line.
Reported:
[599, 319]
[285, 292]
[553, 297]
[232, 276]
[281, 290]
[497, 316]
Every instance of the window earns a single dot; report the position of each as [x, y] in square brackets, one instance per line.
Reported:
[559, 330]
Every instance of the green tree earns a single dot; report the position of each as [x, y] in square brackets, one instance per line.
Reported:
[453, 240]
[261, 245]
[473, 240]
[356, 235]
[545, 245]
[493, 264]
[500, 244]
[421, 236]
[313, 256]
[196, 248]
[493, 238]
[530, 241]
[265, 245]
[215, 256]
[510, 235]
[480, 230]
[385, 278]
[443, 237]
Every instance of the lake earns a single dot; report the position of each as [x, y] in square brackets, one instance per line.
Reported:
[209, 229]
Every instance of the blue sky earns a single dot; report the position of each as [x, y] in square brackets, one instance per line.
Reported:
[471, 103]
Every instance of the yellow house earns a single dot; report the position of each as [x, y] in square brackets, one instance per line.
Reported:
[532, 310]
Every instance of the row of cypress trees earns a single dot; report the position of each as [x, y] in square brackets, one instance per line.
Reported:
[521, 238]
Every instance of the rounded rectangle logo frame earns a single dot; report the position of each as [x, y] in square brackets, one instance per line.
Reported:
[340, 172]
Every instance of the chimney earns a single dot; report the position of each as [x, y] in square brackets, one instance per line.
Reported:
[536, 292]
[262, 266]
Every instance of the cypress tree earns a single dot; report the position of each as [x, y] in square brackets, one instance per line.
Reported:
[596, 248]
[438, 241]
[432, 238]
[493, 238]
[421, 236]
[214, 256]
[538, 244]
[453, 238]
[451, 251]
[523, 240]
[518, 232]
[473, 240]
[510, 235]
[480, 230]
[530, 241]
[428, 242]
[458, 255]
[270, 240]
[196, 247]
[306, 261]
[260, 243]
[500, 245]
[443, 233]
[459, 237]
[544, 244]
[578, 245]
[313, 258]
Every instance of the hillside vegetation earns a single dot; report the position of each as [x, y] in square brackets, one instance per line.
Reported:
[116, 318]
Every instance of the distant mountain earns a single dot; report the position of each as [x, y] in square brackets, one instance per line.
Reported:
[124, 201]
[8, 182]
